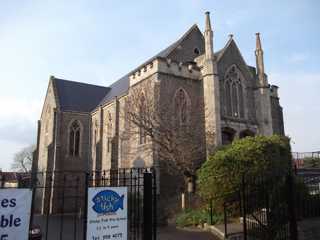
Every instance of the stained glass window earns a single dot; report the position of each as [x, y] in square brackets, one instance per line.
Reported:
[233, 94]
[74, 139]
[181, 102]
[142, 115]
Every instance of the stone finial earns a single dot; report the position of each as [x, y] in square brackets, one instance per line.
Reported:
[258, 42]
[259, 62]
[169, 62]
[208, 37]
[274, 91]
[230, 35]
[208, 23]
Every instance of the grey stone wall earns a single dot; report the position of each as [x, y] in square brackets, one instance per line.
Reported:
[65, 161]
[169, 85]
[277, 116]
[233, 56]
[46, 130]
[172, 180]
[186, 51]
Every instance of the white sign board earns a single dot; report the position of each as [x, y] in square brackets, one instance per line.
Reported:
[15, 208]
[107, 213]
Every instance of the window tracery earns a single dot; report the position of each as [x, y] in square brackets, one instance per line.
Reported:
[142, 115]
[109, 132]
[182, 103]
[74, 139]
[233, 93]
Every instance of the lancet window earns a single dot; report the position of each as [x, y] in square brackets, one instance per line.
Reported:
[233, 93]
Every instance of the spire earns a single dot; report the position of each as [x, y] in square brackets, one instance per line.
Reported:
[258, 42]
[259, 61]
[208, 36]
[211, 91]
[208, 23]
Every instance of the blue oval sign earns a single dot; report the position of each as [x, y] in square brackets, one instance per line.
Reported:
[107, 202]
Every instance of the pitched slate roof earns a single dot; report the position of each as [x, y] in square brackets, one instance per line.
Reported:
[118, 88]
[122, 85]
[77, 96]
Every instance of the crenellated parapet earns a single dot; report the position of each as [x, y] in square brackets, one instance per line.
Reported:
[166, 66]
[274, 91]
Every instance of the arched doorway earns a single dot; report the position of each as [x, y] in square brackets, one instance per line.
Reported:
[228, 135]
[246, 133]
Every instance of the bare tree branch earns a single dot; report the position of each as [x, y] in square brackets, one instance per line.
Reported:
[22, 161]
[180, 146]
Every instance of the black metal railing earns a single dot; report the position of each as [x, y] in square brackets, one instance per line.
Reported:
[271, 205]
[59, 202]
[306, 159]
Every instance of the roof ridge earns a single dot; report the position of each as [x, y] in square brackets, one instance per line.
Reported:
[163, 53]
[194, 26]
[76, 82]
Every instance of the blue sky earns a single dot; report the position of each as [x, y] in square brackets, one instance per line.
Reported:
[98, 41]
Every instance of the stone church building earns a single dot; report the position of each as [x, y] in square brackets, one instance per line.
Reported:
[83, 126]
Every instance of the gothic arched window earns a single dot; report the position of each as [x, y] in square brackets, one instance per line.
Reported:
[233, 93]
[74, 139]
[228, 98]
[241, 105]
[142, 116]
[235, 100]
[182, 103]
[109, 132]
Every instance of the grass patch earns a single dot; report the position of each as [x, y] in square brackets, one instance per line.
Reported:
[195, 217]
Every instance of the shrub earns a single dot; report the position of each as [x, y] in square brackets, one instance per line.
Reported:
[194, 217]
[221, 174]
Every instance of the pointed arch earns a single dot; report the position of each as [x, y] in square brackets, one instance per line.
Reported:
[142, 116]
[228, 135]
[228, 98]
[241, 100]
[182, 104]
[109, 131]
[75, 132]
[234, 92]
[246, 133]
[235, 100]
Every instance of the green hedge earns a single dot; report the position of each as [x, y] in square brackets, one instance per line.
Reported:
[221, 174]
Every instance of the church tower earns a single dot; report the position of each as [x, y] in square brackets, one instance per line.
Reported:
[211, 91]
[264, 109]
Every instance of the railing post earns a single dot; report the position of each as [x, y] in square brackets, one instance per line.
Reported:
[33, 185]
[3, 181]
[211, 212]
[225, 220]
[244, 205]
[291, 208]
[154, 204]
[147, 206]
[85, 210]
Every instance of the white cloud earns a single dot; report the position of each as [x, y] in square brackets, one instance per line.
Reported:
[17, 126]
[13, 108]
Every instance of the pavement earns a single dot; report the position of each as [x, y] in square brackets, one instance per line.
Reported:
[71, 228]
[172, 233]
[309, 229]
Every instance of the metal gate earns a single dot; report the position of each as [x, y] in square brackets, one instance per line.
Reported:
[268, 207]
[59, 202]
[273, 205]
